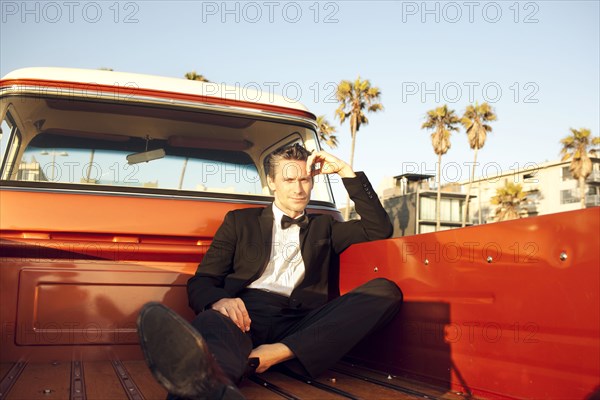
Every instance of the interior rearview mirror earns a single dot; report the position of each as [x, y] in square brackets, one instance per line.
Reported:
[145, 156]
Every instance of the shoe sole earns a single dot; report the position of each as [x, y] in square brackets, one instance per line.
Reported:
[176, 353]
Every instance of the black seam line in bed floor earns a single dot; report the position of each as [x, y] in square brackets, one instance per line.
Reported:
[350, 364]
[77, 389]
[382, 383]
[320, 385]
[131, 389]
[11, 378]
[274, 388]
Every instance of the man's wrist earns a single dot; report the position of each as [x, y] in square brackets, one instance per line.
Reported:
[346, 172]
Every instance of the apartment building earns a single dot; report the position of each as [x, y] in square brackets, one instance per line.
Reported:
[549, 186]
[410, 202]
[410, 199]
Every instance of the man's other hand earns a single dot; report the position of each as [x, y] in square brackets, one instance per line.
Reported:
[235, 309]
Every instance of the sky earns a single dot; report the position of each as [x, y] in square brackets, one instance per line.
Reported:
[536, 62]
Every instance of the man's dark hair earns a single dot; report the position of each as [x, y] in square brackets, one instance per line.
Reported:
[292, 152]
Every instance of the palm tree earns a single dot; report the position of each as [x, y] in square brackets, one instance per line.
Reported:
[355, 98]
[576, 146]
[193, 76]
[326, 132]
[475, 121]
[508, 199]
[443, 122]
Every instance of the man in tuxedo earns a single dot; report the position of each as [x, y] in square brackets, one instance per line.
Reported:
[266, 292]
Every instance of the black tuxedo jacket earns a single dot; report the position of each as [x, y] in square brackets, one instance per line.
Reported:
[241, 249]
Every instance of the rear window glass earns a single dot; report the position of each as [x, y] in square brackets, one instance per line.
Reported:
[63, 159]
[104, 145]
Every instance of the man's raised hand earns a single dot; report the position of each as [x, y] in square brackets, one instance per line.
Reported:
[325, 163]
[235, 309]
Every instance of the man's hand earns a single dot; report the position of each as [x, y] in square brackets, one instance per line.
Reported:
[271, 354]
[235, 309]
[325, 163]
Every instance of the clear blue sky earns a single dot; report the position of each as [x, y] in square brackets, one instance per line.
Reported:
[536, 62]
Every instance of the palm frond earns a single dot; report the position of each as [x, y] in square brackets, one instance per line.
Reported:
[354, 99]
[474, 120]
[193, 76]
[577, 147]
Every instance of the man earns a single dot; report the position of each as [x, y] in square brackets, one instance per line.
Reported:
[267, 291]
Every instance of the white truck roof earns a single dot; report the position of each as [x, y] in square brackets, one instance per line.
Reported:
[217, 92]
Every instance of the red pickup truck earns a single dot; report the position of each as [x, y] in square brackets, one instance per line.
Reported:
[113, 184]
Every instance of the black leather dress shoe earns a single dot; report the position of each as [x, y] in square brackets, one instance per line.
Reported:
[179, 358]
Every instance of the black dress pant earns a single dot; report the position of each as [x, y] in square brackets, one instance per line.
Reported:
[318, 338]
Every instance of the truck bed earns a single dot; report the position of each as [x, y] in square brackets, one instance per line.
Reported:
[493, 323]
[103, 380]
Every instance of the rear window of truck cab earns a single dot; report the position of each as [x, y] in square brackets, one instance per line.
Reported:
[103, 146]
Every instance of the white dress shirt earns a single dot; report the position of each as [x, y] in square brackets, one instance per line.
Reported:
[285, 269]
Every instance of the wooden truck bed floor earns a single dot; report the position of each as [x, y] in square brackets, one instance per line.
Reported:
[107, 380]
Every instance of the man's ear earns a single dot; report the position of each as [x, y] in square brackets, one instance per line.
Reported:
[270, 183]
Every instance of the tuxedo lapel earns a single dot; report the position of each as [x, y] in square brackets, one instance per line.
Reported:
[307, 248]
[265, 222]
[303, 235]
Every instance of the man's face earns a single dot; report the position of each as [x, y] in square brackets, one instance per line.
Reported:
[292, 186]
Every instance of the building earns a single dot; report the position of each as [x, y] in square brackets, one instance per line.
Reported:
[410, 199]
[411, 205]
[550, 188]
[31, 171]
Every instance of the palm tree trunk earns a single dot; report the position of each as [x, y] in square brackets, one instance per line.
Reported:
[439, 194]
[479, 202]
[353, 133]
[471, 179]
[582, 191]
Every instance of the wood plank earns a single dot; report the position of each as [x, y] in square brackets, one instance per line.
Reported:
[4, 368]
[361, 388]
[253, 391]
[141, 375]
[46, 381]
[101, 382]
[298, 388]
[407, 383]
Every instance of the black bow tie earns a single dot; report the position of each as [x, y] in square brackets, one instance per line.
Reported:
[286, 221]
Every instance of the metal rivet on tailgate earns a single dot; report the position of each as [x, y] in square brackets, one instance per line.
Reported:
[489, 259]
[375, 269]
[563, 256]
[426, 262]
